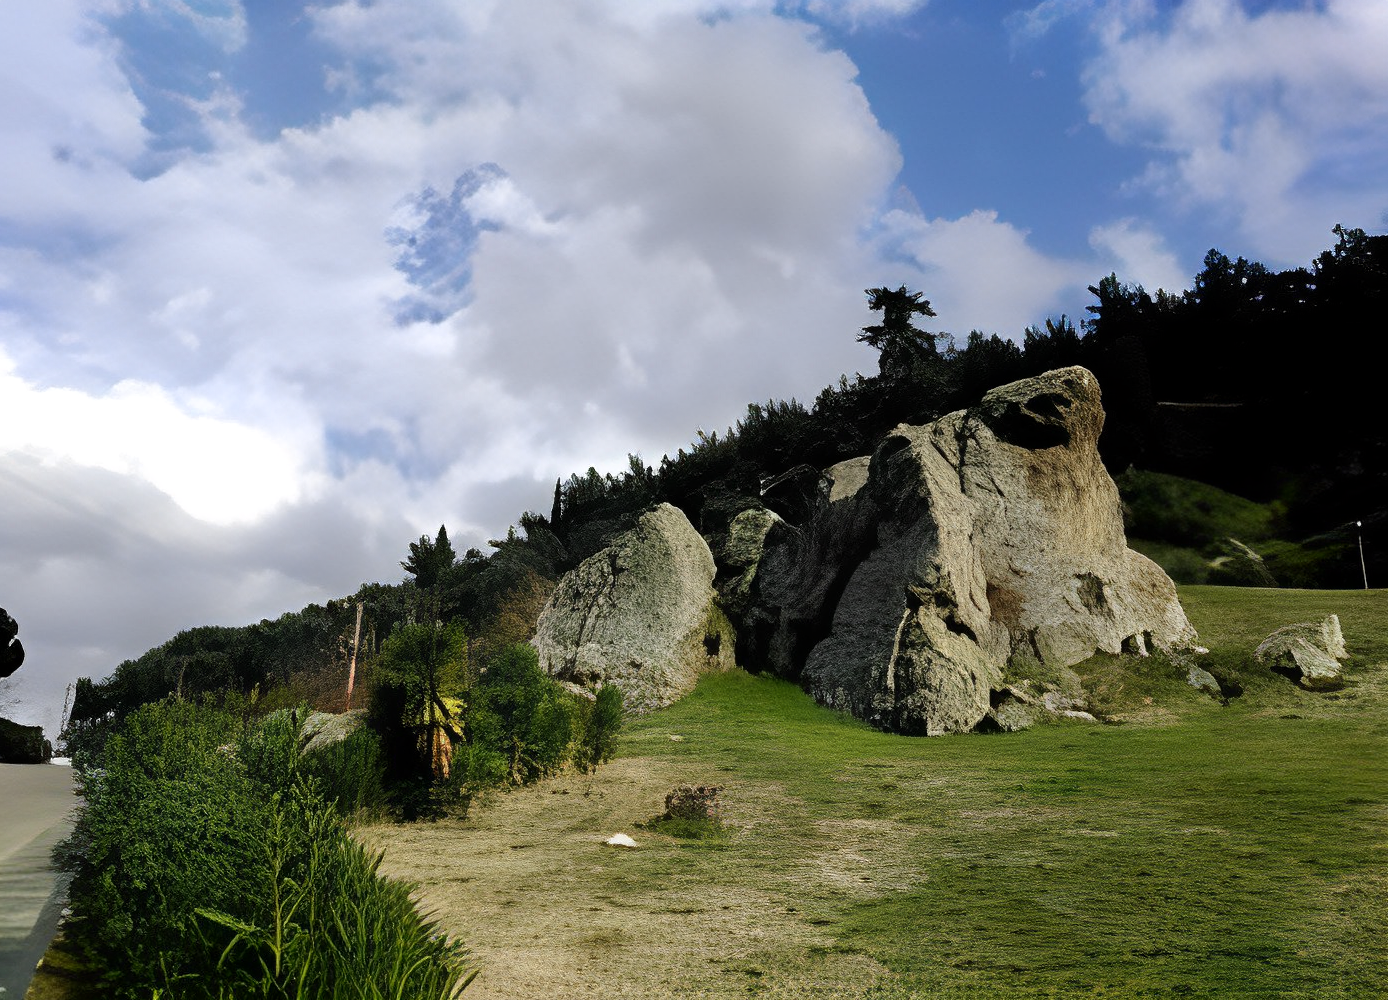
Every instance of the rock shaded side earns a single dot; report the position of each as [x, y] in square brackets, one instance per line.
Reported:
[979, 548]
[1308, 652]
[640, 614]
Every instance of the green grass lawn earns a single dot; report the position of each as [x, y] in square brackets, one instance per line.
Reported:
[1218, 851]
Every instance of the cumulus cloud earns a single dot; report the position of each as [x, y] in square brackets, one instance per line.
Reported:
[1034, 23]
[242, 369]
[215, 470]
[982, 272]
[1139, 254]
[1276, 120]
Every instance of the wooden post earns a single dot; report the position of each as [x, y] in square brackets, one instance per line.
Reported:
[352, 664]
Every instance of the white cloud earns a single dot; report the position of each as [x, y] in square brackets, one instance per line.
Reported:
[980, 273]
[1033, 24]
[1277, 121]
[1139, 255]
[216, 470]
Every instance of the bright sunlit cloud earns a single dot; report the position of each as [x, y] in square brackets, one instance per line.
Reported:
[215, 470]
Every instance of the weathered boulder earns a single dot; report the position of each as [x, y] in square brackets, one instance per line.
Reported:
[1202, 680]
[740, 557]
[640, 614]
[979, 548]
[1308, 652]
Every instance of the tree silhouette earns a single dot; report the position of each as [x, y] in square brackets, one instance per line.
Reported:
[899, 340]
[430, 559]
[11, 649]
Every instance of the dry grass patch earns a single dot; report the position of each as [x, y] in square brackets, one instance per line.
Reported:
[549, 910]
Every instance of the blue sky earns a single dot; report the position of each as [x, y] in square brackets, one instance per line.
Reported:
[284, 286]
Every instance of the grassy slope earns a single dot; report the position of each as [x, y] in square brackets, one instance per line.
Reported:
[1233, 851]
[1180, 524]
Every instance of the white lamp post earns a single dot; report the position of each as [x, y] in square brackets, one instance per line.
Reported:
[1359, 525]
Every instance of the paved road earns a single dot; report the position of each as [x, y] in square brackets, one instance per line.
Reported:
[35, 805]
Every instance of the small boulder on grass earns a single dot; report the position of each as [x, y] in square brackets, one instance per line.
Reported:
[692, 812]
[1308, 652]
[693, 802]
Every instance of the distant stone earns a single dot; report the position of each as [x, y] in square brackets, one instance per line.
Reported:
[1202, 680]
[1237, 565]
[988, 542]
[640, 614]
[1307, 652]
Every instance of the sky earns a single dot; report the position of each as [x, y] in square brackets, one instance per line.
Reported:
[284, 286]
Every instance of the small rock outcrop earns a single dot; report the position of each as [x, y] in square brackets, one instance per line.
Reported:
[974, 550]
[1308, 652]
[1237, 565]
[325, 729]
[640, 614]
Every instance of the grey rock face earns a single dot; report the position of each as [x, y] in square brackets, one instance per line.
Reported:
[640, 614]
[324, 729]
[742, 554]
[1308, 652]
[979, 548]
[1202, 680]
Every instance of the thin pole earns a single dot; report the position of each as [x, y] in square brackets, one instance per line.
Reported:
[352, 666]
[1362, 568]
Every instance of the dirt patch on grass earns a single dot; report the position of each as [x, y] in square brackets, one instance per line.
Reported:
[549, 910]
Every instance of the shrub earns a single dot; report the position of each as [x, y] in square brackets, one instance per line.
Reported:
[351, 772]
[206, 866]
[171, 821]
[520, 722]
[598, 723]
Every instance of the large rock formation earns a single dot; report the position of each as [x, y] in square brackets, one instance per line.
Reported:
[979, 549]
[640, 614]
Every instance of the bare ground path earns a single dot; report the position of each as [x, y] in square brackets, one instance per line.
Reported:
[548, 910]
[35, 805]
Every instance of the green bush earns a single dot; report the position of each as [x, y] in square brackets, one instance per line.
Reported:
[598, 723]
[210, 866]
[520, 723]
[170, 822]
[351, 773]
